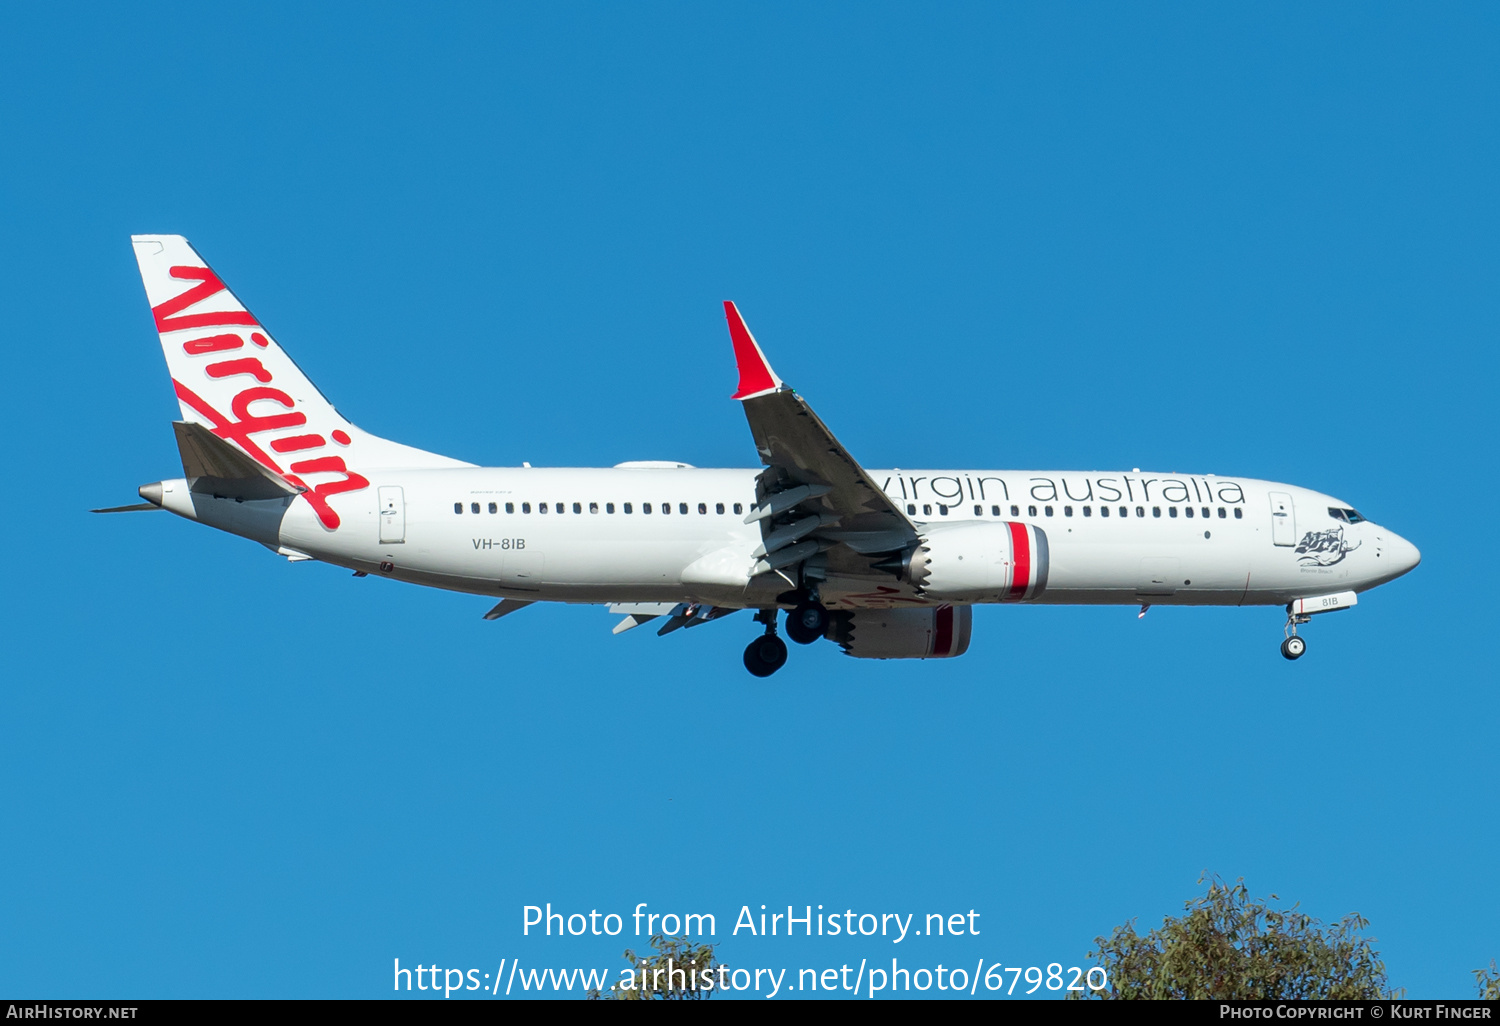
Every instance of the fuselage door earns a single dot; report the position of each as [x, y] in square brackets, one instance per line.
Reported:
[392, 515]
[1283, 520]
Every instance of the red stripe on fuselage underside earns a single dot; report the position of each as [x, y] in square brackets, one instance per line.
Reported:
[1020, 547]
[944, 643]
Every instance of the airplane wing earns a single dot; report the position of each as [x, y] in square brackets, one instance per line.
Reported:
[813, 497]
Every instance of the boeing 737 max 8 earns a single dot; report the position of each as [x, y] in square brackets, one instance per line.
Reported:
[888, 564]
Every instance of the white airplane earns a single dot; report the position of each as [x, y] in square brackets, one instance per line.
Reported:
[888, 564]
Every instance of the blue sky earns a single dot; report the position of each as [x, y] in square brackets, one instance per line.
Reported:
[1255, 240]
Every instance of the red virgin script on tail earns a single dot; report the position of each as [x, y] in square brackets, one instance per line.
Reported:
[239, 427]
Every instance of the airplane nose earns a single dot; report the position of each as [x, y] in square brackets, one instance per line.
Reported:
[1403, 554]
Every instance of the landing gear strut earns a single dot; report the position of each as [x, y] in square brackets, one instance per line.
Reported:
[1294, 646]
[767, 653]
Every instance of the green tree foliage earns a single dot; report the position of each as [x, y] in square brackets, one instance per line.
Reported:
[677, 971]
[1489, 982]
[1229, 946]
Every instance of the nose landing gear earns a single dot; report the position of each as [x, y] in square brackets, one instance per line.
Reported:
[1294, 646]
[767, 653]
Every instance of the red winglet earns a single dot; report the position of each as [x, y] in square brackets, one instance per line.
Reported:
[756, 375]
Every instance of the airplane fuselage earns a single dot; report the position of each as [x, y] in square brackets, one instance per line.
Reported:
[679, 535]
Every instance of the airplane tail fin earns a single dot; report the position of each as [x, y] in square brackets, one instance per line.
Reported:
[235, 381]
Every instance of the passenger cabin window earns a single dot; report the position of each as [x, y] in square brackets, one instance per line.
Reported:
[1088, 511]
[911, 509]
[702, 507]
[926, 510]
[682, 508]
[995, 511]
[1104, 511]
[718, 507]
[1047, 510]
[510, 507]
[494, 508]
[979, 511]
[1015, 511]
[1140, 511]
[645, 507]
[1223, 513]
[738, 509]
[627, 508]
[609, 507]
[943, 510]
[458, 507]
[473, 507]
[1189, 511]
[1067, 511]
[1031, 511]
[1156, 511]
[1171, 511]
[541, 507]
[525, 507]
[1124, 511]
[593, 507]
[1205, 512]
[578, 508]
[1239, 514]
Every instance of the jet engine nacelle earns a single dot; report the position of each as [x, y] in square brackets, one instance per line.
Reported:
[980, 561]
[931, 632]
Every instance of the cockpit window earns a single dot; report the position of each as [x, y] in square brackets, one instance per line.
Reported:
[1348, 516]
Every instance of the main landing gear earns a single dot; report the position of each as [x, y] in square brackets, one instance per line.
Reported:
[767, 653]
[805, 624]
[1294, 646]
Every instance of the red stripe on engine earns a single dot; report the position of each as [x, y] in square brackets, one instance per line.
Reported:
[1020, 546]
[944, 644]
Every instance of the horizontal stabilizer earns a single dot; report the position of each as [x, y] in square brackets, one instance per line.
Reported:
[139, 507]
[214, 467]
